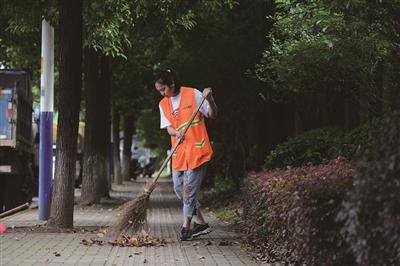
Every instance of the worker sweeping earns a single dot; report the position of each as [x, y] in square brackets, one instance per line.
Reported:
[194, 149]
[182, 114]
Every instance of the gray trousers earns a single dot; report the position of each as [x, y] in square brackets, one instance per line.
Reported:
[186, 186]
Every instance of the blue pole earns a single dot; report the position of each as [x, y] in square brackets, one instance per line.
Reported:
[46, 120]
[45, 164]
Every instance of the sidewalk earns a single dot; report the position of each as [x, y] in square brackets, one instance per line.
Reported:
[25, 246]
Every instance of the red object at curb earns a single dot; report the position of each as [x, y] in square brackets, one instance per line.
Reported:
[3, 228]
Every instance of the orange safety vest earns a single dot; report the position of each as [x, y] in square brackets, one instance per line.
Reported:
[195, 148]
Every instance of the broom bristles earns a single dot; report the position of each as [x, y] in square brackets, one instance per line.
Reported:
[132, 216]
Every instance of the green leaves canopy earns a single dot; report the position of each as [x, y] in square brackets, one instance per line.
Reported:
[318, 45]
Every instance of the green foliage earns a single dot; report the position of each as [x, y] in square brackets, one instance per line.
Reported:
[319, 45]
[290, 215]
[314, 146]
[107, 26]
[372, 213]
[363, 138]
[321, 145]
[179, 14]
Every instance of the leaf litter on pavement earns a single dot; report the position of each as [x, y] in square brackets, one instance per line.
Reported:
[126, 240]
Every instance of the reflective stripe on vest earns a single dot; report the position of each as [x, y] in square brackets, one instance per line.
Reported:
[195, 148]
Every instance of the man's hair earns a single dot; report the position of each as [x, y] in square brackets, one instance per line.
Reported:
[167, 77]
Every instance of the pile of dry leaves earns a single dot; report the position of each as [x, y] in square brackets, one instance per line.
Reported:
[126, 240]
[137, 241]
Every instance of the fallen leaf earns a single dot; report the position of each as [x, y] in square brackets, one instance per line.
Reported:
[126, 240]
[87, 242]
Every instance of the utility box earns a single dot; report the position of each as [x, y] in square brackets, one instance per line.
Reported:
[16, 145]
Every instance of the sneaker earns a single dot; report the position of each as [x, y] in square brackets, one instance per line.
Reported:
[200, 229]
[186, 234]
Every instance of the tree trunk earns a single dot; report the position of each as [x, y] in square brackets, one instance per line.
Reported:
[127, 153]
[105, 78]
[70, 24]
[90, 180]
[116, 140]
[95, 171]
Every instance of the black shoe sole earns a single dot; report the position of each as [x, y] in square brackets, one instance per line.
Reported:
[204, 232]
[187, 239]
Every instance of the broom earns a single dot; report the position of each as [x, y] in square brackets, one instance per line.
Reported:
[133, 213]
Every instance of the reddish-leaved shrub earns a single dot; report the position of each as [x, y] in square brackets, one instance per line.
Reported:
[290, 215]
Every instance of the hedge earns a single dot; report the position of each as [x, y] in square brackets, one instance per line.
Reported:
[290, 215]
[315, 146]
[321, 145]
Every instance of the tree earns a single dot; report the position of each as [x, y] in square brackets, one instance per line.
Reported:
[70, 32]
[95, 171]
[333, 61]
[106, 26]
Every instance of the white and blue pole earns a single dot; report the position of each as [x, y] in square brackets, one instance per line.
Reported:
[46, 120]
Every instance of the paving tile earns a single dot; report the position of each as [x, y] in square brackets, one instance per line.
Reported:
[164, 219]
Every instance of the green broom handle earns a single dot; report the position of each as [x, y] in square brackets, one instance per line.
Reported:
[164, 164]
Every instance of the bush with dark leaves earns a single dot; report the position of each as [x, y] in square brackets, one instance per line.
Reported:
[372, 214]
[315, 146]
[321, 145]
[290, 215]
